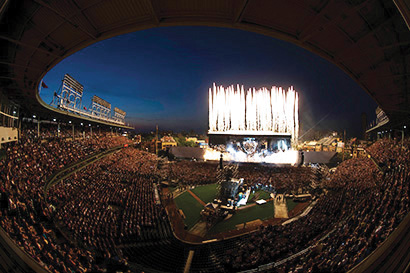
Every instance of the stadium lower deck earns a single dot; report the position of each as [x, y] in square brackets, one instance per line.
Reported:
[112, 213]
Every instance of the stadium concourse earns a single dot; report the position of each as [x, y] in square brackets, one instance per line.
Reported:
[110, 216]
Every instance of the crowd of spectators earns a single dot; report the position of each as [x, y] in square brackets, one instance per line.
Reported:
[383, 194]
[115, 200]
[123, 202]
[282, 179]
[24, 214]
[189, 173]
[362, 204]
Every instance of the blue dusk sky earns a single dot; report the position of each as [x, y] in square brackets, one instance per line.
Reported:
[162, 76]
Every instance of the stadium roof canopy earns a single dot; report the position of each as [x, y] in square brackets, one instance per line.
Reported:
[368, 39]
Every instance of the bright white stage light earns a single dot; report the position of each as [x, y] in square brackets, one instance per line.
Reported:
[280, 157]
[263, 112]
[254, 112]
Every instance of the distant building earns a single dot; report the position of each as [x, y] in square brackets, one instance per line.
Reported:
[309, 146]
[200, 142]
[167, 142]
[326, 144]
[340, 146]
[193, 139]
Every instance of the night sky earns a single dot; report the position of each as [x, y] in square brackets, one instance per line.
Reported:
[162, 76]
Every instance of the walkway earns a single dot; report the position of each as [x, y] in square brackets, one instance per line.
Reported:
[303, 214]
[197, 198]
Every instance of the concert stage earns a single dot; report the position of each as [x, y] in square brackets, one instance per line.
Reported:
[198, 154]
[250, 143]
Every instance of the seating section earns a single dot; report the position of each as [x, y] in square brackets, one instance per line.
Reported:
[290, 179]
[374, 202]
[111, 203]
[107, 216]
[24, 213]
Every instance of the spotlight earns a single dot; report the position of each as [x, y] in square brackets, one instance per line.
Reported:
[34, 116]
[69, 121]
[81, 124]
[54, 119]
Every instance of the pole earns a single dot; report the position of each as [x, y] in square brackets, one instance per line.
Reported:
[38, 127]
[344, 146]
[58, 129]
[19, 130]
[402, 138]
[156, 141]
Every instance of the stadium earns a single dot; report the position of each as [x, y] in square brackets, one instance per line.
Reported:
[77, 195]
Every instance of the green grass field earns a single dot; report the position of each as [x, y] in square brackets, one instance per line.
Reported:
[290, 204]
[191, 208]
[262, 212]
[262, 195]
[172, 188]
[206, 193]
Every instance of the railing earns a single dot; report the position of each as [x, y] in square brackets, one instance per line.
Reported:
[75, 167]
[15, 259]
